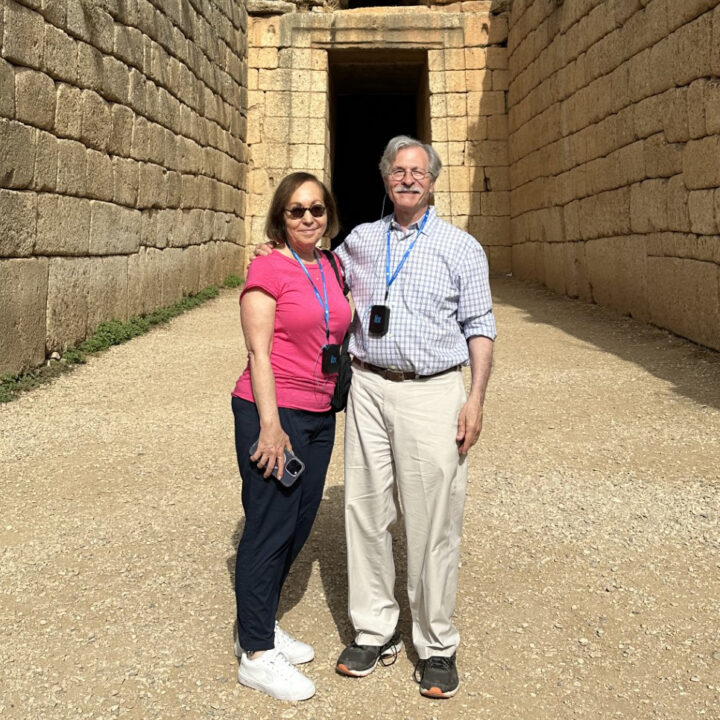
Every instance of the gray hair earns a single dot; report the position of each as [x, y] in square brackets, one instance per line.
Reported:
[399, 142]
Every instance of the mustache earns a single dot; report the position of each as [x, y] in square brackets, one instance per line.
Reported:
[415, 190]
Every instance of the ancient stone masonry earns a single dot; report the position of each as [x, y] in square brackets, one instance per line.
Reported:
[122, 161]
[614, 144]
[461, 52]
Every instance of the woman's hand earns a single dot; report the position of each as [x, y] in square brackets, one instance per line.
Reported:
[262, 249]
[271, 450]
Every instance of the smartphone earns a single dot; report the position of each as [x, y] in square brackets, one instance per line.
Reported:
[293, 467]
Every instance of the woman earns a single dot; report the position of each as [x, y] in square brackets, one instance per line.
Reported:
[293, 315]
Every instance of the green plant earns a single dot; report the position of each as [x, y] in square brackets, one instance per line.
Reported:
[232, 281]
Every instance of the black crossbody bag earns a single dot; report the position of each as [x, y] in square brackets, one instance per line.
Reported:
[342, 387]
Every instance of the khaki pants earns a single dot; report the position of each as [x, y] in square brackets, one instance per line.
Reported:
[404, 431]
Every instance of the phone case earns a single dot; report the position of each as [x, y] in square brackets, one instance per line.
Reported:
[293, 467]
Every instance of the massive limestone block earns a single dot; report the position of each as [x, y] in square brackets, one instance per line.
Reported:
[63, 226]
[82, 292]
[18, 212]
[23, 297]
[18, 144]
[114, 230]
[145, 272]
[684, 296]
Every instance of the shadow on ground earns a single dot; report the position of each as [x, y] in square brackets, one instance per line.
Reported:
[326, 547]
[693, 370]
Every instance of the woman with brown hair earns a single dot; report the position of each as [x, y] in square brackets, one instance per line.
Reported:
[294, 317]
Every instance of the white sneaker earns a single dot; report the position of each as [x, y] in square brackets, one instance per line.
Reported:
[275, 675]
[296, 651]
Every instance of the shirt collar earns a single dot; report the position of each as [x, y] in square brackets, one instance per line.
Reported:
[414, 226]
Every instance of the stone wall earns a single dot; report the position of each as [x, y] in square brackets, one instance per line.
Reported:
[122, 162]
[614, 120]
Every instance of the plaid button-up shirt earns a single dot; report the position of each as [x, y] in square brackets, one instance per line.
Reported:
[439, 300]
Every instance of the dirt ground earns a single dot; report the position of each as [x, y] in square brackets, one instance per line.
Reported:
[590, 579]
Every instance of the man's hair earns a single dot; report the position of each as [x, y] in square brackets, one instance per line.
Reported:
[399, 142]
[275, 221]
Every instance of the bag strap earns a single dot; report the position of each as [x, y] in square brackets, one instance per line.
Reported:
[331, 259]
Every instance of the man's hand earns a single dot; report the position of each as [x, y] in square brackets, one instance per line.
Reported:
[470, 419]
[262, 249]
[469, 426]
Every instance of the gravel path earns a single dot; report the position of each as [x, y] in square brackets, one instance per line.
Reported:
[590, 580]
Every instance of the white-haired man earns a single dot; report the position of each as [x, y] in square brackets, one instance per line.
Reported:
[423, 310]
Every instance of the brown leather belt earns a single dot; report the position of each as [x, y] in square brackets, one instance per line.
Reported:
[399, 375]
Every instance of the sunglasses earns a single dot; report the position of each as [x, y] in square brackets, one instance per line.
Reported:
[298, 213]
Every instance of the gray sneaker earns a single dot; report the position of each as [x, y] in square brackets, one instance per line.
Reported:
[439, 677]
[360, 660]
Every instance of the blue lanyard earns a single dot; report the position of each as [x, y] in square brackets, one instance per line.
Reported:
[389, 280]
[322, 300]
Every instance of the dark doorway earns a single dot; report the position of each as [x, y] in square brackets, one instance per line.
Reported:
[375, 95]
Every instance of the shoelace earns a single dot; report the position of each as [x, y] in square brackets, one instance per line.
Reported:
[442, 663]
[283, 666]
[387, 660]
[282, 639]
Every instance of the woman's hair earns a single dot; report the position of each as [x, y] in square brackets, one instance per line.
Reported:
[275, 222]
[399, 142]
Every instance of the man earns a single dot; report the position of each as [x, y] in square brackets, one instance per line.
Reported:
[423, 309]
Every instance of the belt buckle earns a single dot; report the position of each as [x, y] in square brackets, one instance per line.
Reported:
[394, 375]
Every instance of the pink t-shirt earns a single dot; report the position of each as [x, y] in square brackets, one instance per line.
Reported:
[299, 332]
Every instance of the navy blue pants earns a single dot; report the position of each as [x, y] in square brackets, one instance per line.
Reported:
[277, 519]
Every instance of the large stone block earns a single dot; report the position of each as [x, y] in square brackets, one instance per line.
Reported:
[18, 211]
[91, 67]
[711, 103]
[681, 13]
[191, 261]
[22, 38]
[648, 206]
[701, 163]
[662, 159]
[527, 261]
[18, 144]
[46, 162]
[108, 291]
[684, 297]
[68, 111]
[60, 54]
[701, 207]
[7, 90]
[67, 302]
[82, 292]
[23, 298]
[617, 272]
[114, 230]
[145, 275]
[63, 225]
[675, 115]
[96, 124]
[696, 109]
[121, 131]
[677, 205]
[151, 187]
[172, 274]
[72, 167]
[692, 50]
[99, 178]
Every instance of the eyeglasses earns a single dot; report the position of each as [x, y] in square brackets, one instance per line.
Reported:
[298, 213]
[399, 173]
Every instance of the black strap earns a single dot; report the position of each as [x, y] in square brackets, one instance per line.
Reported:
[331, 259]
